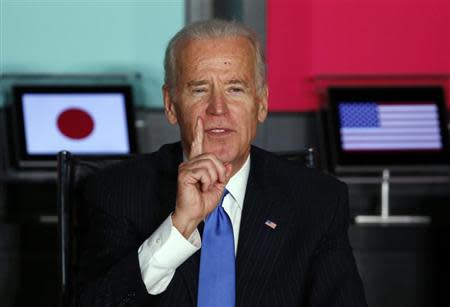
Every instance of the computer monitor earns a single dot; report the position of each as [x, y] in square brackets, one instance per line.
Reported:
[397, 128]
[85, 120]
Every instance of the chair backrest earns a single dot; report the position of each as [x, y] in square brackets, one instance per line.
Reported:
[305, 157]
[72, 174]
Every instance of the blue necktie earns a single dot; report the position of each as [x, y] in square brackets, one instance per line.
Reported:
[217, 281]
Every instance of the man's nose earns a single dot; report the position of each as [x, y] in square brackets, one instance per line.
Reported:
[217, 104]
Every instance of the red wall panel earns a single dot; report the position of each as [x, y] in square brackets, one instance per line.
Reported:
[386, 41]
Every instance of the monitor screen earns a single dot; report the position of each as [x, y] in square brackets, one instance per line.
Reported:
[85, 120]
[388, 127]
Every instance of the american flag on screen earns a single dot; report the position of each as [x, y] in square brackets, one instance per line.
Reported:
[370, 126]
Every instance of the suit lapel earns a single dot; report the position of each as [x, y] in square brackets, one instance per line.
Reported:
[169, 159]
[259, 244]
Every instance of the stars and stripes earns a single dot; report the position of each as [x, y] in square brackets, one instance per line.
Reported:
[271, 224]
[386, 126]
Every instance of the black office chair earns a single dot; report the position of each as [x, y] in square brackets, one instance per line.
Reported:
[72, 174]
[305, 157]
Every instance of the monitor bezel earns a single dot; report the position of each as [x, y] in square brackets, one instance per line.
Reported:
[343, 161]
[22, 159]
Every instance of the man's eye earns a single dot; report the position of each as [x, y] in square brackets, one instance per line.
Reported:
[198, 91]
[236, 90]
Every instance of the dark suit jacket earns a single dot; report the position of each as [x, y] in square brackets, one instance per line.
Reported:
[305, 261]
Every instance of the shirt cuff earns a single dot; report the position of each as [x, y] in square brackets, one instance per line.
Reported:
[164, 251]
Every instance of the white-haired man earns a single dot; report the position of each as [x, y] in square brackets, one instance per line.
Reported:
[212, 220]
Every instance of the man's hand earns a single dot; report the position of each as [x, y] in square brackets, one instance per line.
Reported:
[201, 181]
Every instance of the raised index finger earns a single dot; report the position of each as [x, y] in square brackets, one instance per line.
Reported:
[197, 143]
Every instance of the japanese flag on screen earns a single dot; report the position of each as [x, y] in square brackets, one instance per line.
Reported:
[93, 123]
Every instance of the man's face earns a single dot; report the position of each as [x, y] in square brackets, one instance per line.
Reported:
[216, 82]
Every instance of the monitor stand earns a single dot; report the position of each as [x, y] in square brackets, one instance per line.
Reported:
[385, 218]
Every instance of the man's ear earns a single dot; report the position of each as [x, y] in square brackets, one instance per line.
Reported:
[169, 106]
[262, 105]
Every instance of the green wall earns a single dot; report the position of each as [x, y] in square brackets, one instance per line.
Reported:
[90, 37]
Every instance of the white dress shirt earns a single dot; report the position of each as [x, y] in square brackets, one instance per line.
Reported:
[166, 249]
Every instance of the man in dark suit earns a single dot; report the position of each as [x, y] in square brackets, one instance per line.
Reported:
[155, 221]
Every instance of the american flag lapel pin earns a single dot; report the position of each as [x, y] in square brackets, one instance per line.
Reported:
[271, 224]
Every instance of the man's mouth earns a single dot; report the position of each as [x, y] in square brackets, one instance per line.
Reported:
[218, 131]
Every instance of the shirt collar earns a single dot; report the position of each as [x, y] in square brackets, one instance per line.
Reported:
[238, 183]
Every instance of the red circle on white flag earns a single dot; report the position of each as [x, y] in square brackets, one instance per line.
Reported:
[75, 123]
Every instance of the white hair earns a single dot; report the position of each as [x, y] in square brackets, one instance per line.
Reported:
[212, 29]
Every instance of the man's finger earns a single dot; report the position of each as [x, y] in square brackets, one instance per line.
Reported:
[217, 165]
[197, 143]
